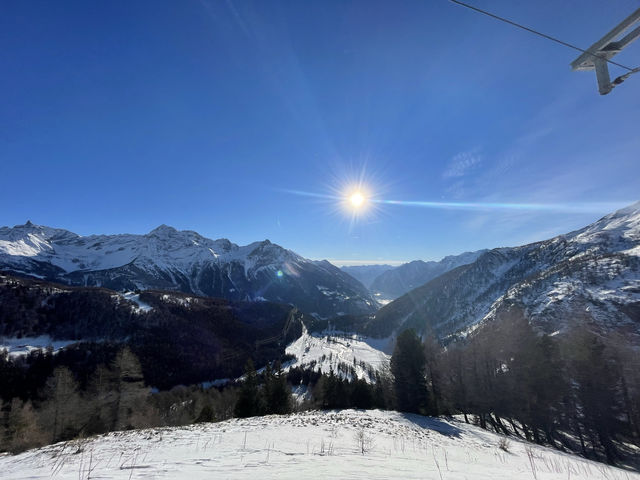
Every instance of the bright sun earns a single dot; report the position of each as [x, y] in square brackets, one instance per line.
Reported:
[356, 199]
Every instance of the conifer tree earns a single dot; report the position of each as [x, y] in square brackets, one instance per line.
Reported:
[277, 392]
[408, 369]
[250, 402]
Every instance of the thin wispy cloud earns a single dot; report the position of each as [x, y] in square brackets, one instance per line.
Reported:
[462, 164]
[456, 190]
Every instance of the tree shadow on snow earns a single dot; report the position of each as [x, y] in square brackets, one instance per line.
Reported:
[433, 423]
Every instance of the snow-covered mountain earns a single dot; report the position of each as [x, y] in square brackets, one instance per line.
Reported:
[589, 276]
[398, 281]
[169, 259]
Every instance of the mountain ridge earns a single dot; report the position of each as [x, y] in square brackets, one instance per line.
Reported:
[395, 282]
[169, 259]
[590, 275]
[366, 274]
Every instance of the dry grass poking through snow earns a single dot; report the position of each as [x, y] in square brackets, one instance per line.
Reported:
[337, 444]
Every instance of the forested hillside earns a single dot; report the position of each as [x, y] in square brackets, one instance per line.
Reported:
[180, 339]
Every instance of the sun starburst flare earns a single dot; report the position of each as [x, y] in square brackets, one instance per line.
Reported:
[357, 200]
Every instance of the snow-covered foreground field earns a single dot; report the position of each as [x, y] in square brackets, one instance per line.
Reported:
[342, 444]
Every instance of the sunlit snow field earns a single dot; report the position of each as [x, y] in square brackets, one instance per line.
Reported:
[342, 444]
[328, 350]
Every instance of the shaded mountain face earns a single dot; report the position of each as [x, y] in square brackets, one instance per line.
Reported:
[366, 274]
[590, 276]
[179, 338]
[169, 259]
[398, 281]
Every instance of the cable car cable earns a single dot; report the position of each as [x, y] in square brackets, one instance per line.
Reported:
[549, 37]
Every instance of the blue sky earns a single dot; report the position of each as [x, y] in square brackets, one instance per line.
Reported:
[204, 114]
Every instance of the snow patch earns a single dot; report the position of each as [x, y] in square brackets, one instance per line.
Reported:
[17, 347]
[135, 298]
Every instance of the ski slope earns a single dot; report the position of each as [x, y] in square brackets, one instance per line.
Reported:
[348, 444]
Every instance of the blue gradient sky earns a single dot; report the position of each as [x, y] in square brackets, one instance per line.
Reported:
[119, 116]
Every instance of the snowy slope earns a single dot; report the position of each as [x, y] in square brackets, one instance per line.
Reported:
[307, 445]
[332, 352]
[169, 259]
[591, 275]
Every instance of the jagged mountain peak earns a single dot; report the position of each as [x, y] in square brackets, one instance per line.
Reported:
[171, 259]
[163, 230]
[591, 275]
[263, 246]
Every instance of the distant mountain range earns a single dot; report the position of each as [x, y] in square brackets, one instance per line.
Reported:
[366, 274]
[591, 276]
[169, 259]
[397, 281]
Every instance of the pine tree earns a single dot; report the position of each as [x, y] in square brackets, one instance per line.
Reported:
[331, 391]
[268, 389]
[250, 402]
[361, 394]
[408, 369]
[432, 354]
[277, 392]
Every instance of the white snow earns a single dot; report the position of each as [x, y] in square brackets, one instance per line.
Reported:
[329, 350]
[179, 299]
[592, 270]
[135, 298]
[17, 347]
[307, 445]
[219, 382]
[382, 300]
[164, 248]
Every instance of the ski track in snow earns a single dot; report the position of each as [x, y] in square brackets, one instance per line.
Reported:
[306, 445]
